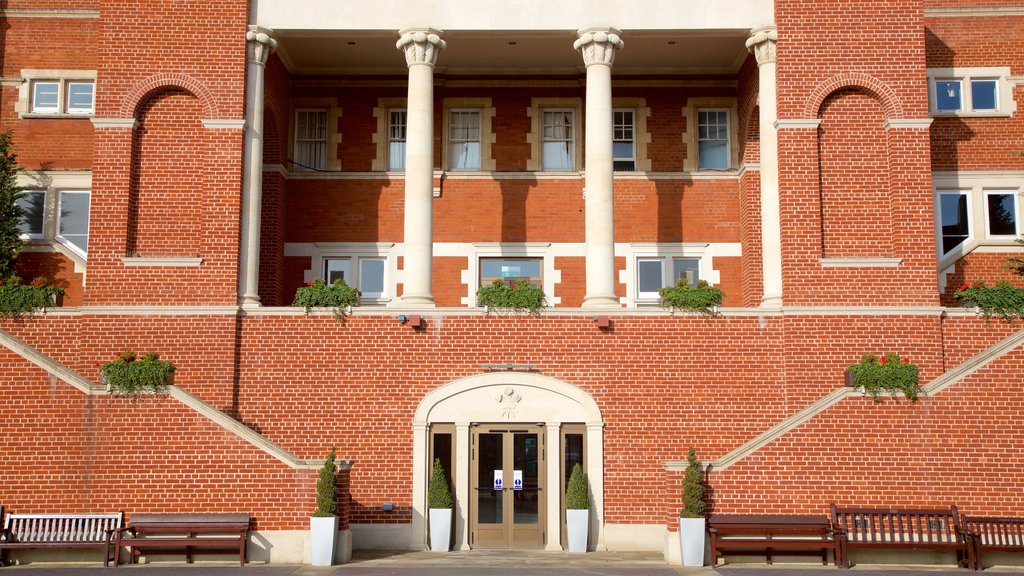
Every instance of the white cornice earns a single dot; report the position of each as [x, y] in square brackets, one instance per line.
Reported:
[908, 123]
[230, 124]
[978, 12]
[457, 175]
[170, 261]
[799, 124]
[159, 310]
[34, 13]
[114, 122]
[861, 262]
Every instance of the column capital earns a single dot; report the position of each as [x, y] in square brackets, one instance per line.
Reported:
[421, 45]
[761, 44]
[598, 45]
[260, 43]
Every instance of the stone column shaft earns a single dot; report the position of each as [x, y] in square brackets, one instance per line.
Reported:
[554, 491]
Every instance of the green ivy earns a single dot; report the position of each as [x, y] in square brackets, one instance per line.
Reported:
[128, 376]
[1016, 264]
[439, 495]
[701, 298]
[693, 488]
[888, 373]
[319, 294]
[10, 212]
[18, 300]
[576, 495]
[327, 488]
[1003, 299]
[520, 299]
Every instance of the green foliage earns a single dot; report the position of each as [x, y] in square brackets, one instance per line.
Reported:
[127, 375]
[693, 488]
[1016, 264]
[576, 495]
[700, 298]
[319, 294]
[519, 299]
[439, 495]
[327, 488]
[1003, 299]
[10, 212]
[888, 373]
[18, 300]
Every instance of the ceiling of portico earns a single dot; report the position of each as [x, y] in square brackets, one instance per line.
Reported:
[513, 52]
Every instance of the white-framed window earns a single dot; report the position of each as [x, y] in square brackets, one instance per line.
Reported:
[80, 97]
[970, 92]
[54, 96]
[33, 214]
[310, 139]
[624, 139]
[396, 139]
[713, 147]
[954, 219]
[1002, 221]
[464, 139]
[558, 143]
[657, 272]
[367, 273]
[73, 220]
[512, 271]
[45, 97]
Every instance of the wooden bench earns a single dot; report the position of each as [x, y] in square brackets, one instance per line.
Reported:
[784, 534]
[914, 529]
[995, 534]
[185, 532]
[60, 531]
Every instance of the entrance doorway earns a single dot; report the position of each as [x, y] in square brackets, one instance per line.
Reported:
[508, 480]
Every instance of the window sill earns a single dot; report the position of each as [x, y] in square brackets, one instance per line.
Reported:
[55, 116]
[166, 262]
[861, 262]
[972, 114]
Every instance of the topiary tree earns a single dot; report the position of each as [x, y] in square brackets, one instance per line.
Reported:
[439, 495]
[576, 495]
[10, 212]
[693, 488]
[327, 489]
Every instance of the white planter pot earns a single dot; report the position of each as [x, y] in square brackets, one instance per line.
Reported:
[577, 524]
[691, 541]
[440, 529]
[323, 533]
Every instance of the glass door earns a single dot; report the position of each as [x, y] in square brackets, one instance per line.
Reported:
[507, 508]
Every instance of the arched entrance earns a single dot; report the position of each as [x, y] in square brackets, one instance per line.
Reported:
[497, 421]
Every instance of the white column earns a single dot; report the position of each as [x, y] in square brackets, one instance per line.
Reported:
[462, 488]
[598, 49]
[421, 463]
[595, 476]
[554, 486]
[259, 46]
[761, 44]
[421, 47]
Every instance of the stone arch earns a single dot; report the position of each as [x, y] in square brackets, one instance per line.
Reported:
[891, 104]
[144, 89]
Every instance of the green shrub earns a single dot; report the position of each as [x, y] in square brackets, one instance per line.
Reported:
[439, 495]
[693, 488]
[18, 300]
[576, 495]
[327, 488]
[700, 298]
[1003, 299]
[520, 299]
[1016, 264]
[319, 294]
[10, 212]
[888, 373]
[127, 375]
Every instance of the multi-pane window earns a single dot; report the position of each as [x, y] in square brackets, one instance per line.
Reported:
[624, 140]
[73, 220]
[955, 219]
[33, 214]
[396, 140]
[655, 273]
[365, 273]
[80, 97]
[512, 271]
[464, 140]
[970, 91]
[310, 139]
[559, 144]
[46, 97]
[1001, 213]
[62, 97]
[713, 140]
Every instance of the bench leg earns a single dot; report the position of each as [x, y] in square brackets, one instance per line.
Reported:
[242, 541]
[768, 551]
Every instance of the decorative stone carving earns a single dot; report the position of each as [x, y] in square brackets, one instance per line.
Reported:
[508, 400]
[421, 46]
[761, 44]
[260, 44]
[598, 46]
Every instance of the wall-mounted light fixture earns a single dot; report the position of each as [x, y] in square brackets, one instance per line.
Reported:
[414, 320]
[603, 322]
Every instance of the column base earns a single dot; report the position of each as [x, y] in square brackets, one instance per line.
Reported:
[602, 301]
[251, 301]
[553, 548]
[413, 301]
[772, 301]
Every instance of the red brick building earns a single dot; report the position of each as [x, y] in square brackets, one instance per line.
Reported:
[838, 168]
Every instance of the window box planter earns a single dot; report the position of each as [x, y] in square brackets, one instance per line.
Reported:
[319, 294]
[702, 298]
[1003, 299]
[516, 298]
[18, 300]
[881, 374]
[130, 376]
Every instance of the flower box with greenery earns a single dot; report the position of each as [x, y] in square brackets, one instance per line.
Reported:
[702, 298]
[323, 526]
[691, 517]
[18, 300]
[577, 510]
[439, 502]
[1003, 299]
[888, 373]
[319, 294]
[129, 376]
[515, 298]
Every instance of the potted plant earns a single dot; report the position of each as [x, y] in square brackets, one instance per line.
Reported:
[577, 510]
[888, 373]
[319, 294]
[129, 376]
[516, 298]
[323, 526]
[439, 501]
[691, 517]
[702, 298]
